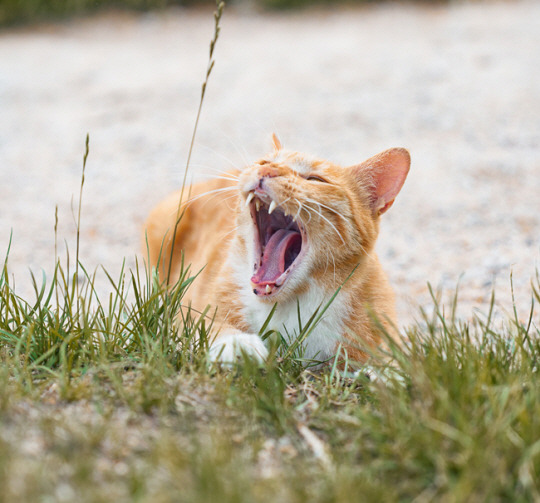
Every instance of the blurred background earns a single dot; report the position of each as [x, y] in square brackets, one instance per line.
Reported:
[24, 11]
[457, 83]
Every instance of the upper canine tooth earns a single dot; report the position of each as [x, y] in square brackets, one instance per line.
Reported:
[272, 207]
[249, 198]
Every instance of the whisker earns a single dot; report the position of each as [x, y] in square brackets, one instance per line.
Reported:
[334, 211]
[327, 263]
[327, 207]
[235, 180]
[234, 229]
[301, 206]
[226, 174]
[283, 202]
[330, 223]
[221, 172]
[226, 235]
[213, 196]
[235, 146]
[210, 168]
[299, 209]
[328, 254]
[219, 154]
[223, 175]
[215, 191]
[228, 198]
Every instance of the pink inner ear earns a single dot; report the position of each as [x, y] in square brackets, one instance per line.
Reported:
[387, 172]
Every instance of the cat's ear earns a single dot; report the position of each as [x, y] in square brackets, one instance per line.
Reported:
[383, 175]
[275, 142]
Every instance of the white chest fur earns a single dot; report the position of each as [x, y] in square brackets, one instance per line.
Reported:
[322, 341]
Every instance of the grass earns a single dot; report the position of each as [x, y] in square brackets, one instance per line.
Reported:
[114, 399]
[111, 403]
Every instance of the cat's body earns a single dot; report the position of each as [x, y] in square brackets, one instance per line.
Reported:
[288, 230]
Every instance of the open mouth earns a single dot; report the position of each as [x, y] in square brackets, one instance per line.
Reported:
[279, 243]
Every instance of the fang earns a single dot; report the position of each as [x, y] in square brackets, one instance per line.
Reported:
[272, 207]
[268, 288]
[249, 198]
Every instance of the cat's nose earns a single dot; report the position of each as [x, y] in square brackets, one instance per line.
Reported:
[269, 171]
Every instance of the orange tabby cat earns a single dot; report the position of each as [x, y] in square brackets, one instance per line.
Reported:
[287, 230]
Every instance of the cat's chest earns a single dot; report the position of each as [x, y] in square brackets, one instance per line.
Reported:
[290, 317]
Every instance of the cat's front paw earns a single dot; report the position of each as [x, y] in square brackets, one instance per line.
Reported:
[229, 348]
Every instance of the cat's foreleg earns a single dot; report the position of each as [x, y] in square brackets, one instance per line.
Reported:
[231, 345]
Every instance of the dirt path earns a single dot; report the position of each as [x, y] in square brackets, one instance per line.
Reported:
[458, 85]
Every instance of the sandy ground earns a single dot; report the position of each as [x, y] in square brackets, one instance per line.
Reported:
[459, 85]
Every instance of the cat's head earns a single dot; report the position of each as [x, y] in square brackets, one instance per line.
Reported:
[301, 219]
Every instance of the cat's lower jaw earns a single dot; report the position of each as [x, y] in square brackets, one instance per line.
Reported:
[232, 345]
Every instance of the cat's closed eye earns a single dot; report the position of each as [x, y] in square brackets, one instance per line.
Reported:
[316, 178]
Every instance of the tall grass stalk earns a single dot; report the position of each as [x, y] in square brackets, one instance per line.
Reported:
[79, 211]
[220, 5]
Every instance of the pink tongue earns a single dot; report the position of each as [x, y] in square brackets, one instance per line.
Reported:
[273, 260]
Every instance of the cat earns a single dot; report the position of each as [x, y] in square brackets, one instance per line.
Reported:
[287, 230]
